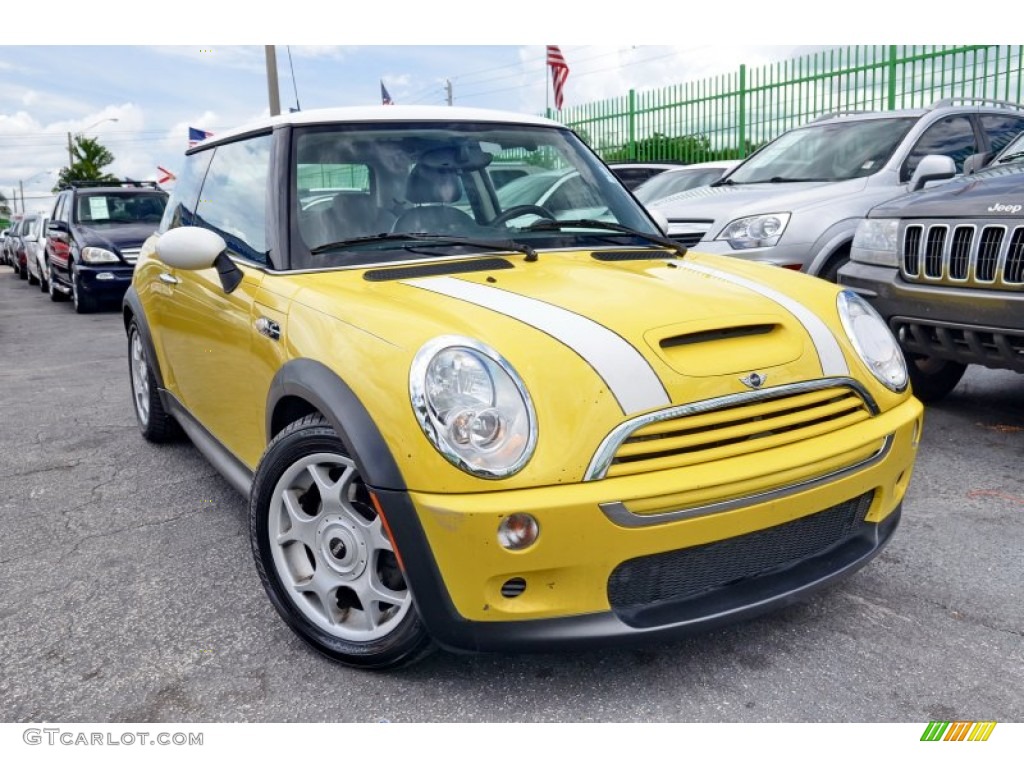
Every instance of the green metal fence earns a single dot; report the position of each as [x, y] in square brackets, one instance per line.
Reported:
[730, 115]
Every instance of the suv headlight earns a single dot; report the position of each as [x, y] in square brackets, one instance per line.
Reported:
[99, 256]
[872, 340]
[875, 242]
[473, 407]
[755, 231]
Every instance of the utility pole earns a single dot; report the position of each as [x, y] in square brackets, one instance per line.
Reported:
[272, 89]
[71, 155]
[448, 88]
[21, 186]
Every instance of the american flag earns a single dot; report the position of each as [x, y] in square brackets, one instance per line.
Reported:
[559, 72]
[385, 97]
[195, 136]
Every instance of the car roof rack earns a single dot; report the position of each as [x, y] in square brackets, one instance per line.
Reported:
[980, 100]
[78, 184]
[842, 113]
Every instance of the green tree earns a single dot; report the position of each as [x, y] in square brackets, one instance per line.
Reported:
[5, 212]
[89, 158]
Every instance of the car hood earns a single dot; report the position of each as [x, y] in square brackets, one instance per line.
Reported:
[115, 236]
[992, 193]
[651, 332]
[733, 201]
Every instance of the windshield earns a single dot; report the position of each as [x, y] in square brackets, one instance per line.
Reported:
[671, 182]
[1012, 152]
[826, 152]
[115, 208]
[363, 181]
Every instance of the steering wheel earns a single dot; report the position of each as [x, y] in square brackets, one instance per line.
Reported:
[522, 210]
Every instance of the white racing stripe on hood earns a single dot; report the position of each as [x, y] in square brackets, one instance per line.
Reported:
[833, 362]
[627, 373]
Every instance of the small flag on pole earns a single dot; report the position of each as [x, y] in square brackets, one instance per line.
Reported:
[385, 97]
[195, 136]
[559, 72]
[165, 175]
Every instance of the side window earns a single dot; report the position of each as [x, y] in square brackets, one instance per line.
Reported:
[573, 193]
[234, 197]
[181, 205]
[1001, 129]
[60, 208]
[952, 136]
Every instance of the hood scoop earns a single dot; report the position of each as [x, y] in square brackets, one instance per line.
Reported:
[434, 269]
[718, 334]
[717, 346]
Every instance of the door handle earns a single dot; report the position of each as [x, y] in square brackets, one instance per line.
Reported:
[166, 277]
[268, 328]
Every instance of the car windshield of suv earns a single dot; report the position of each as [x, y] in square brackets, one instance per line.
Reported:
[374, 183]
[112, 208]
[1012, 152]
[826, 152]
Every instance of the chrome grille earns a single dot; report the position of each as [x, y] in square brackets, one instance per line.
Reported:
[730, 426]
[131, 255]
[984, 255]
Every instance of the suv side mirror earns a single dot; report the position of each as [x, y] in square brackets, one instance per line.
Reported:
[57, 227]
[932, 168]
[195, 248]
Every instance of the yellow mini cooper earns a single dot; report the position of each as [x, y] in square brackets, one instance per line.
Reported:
[485, 419]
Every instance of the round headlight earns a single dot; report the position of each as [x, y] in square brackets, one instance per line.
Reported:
[473, 407]
[872, 340]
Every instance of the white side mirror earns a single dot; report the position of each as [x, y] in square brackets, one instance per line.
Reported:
[932, 168]
[189, 247]
[659, 218]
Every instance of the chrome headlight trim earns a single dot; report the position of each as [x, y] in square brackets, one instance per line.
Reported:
[761, 231]
[433, 427]
[874, 343]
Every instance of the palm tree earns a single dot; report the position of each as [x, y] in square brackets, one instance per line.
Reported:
[89, 159]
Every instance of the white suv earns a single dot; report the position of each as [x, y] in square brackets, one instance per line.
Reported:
[797, 201]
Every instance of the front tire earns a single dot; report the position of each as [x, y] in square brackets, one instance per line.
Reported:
[55, 295]
[84, 303]
[932, 378]
[324, 556]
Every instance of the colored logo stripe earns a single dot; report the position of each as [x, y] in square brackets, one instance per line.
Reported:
[958, 731]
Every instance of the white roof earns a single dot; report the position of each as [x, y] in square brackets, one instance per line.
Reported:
[391, 113]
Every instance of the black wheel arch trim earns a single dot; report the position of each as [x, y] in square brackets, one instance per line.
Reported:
[318, 385]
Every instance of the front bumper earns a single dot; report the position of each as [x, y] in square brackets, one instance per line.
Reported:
[589, 579]
[789, 256]
[966, 325]
[105, 281]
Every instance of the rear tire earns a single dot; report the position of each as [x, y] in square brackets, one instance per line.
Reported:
[932, 378]
[155, 423]
[32, 279]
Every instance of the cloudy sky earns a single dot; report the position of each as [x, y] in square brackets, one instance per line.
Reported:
[139, 93]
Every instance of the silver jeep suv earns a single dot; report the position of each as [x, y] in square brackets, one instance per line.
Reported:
[796, 202]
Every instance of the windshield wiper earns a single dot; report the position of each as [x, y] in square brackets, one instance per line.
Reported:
[1011, 156]
[549, 225]
[427, 239]
[722, 183]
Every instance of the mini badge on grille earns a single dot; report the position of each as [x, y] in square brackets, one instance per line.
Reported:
[754, 380]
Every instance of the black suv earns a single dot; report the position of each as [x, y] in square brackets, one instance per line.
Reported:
[94, 236]
[945, 268]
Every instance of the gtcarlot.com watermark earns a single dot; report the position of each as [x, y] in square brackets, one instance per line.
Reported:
[60, 736]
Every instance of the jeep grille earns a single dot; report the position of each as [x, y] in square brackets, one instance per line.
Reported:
[982, 255]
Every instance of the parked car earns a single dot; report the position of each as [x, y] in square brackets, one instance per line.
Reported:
[93, 239]
[634, 174]
[559, 193]
[14, 249]
[34, 243]
[797, 201]
[553, 433]
[945, 268]
[676, 180]
[3, 244]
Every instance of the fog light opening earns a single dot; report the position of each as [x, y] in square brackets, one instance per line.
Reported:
[518, 531]
[106, 276]
[513, 587]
